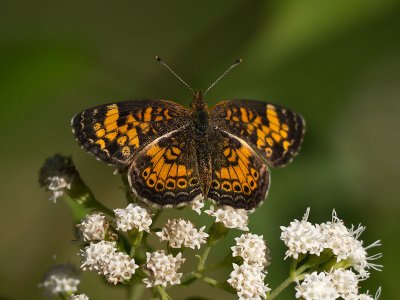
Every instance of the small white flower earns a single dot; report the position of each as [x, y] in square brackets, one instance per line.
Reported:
[57, 186]
[248, 281]
[337, 237]
[163, 268]
[366, 296]
[56, 175]
[104, 258]
[79, 297]
[93, 227]
[345, 282]
[196, 205]
[252, 248]
[97, 255]
[317, 287]
[302, 237]
[120, 268]
[230, 217]
[180, 233]
[133, 216]
[345, 245]
[60, 279]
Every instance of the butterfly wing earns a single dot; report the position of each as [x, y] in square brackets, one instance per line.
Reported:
[165, 172]
[116, 132]
[274, 132]
[239, 177]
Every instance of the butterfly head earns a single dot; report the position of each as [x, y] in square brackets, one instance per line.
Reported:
[198, 102]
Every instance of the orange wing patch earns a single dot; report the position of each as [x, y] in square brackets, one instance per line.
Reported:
[274, 132]
[239, 176]
[127, 135]
[267, 136]
[165, 170]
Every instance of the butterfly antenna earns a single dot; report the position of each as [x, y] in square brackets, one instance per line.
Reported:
[173, 73]
[235, 64]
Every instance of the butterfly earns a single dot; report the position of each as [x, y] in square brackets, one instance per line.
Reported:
[175, 155]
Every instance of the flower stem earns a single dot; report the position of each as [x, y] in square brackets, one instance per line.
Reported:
[163, 293]
[82, 195]
[281, 287]
[294, 275]
[137, 239]
[203, 258]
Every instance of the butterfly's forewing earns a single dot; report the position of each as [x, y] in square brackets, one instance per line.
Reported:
[274, 132]
[239, 177]
[165, 172]
[116, 132]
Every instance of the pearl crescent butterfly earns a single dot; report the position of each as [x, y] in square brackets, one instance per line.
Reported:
[175, 155]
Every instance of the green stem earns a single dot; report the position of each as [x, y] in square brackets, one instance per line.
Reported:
[136, 242]
[210, 281]
[203, 258]
[62, 296]
[281, 287]
[294, 275]
[199, 275]
[162, 292]
[82, 195]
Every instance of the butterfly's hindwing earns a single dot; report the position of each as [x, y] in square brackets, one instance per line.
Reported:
[116, 132]
[165, 172]
[239, 177]
[274, 132]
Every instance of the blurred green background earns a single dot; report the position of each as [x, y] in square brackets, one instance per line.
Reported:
[336, 62]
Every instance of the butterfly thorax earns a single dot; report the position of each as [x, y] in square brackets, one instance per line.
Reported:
[199, 114]
[201, 135]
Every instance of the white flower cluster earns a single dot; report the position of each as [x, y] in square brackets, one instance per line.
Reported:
[79, 297]
[163, 268]
[230, 217]
[93, 227]
[252, 249]
[248, 281]
[133, 217]
[104, 258]
[340, 283]
[57, 186]
[248, 278]
[317, 286]
[60, 279]
[180, 233]
[302, 237]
